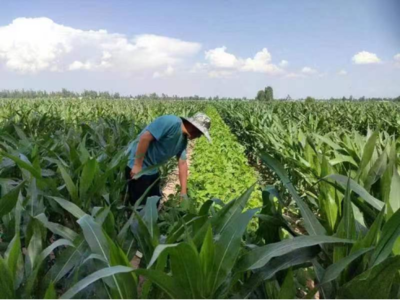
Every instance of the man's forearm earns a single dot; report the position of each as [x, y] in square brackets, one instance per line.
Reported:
[142, 147]
[183, 175]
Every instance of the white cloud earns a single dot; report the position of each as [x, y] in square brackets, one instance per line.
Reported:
[308, 71]
[261, 63]
[284, 63]
[31, 45]
[364, 57]
[168, 72]
[219, 58]
[78, 65]
[342, 72]
[397, 60]
[199, 67]
[220, 74]
[295, 75]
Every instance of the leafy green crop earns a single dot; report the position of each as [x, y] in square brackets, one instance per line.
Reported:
[221, 169]
[331, 216]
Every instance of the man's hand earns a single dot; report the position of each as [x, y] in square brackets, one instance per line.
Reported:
[184, 197]
[135, 170]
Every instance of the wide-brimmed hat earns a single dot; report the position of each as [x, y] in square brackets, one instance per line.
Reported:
[202, 122]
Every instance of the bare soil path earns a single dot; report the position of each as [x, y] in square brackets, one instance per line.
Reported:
[172, 181]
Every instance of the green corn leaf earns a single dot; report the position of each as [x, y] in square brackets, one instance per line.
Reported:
[386, 179]
[334, 270]
[127, 282]
[292, 259]
[260, 256]
[227, 249]
[287, 290]
[88, 280]
[394, 196]
[356, 188]
[389, 235]
[46, 252]
[328, 141]
[347, 226]
[13, 256]
[23, 165]
[312, 225]
[87, 176]
[151, 216]
[99, 244]
[34, 249]
[72, 189]
[142, 234]
[56, 228]
[198, 224]
[69, 206]
[94, 256]
[94, 236]
[158, 251]
[9, 200]
[6, 282]
[327, 196]
[368, 152]
[374, 283]
[230, 211]
[207, 255]
[376, 171]
[186, 269]
[166, 283]
[372, 235]
[66, 261]
[50, 292]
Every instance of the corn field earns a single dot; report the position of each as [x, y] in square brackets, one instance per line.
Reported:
[291, 200]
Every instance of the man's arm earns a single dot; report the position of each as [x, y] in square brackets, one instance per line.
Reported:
[183, 175]
[144, 142]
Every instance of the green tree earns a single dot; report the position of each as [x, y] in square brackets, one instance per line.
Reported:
[309, 100]
[265, 95]
[260, 95]
[269, 94]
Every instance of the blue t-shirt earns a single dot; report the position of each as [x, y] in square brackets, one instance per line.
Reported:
[169, 141]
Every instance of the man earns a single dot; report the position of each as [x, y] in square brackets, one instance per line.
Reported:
[163, 139]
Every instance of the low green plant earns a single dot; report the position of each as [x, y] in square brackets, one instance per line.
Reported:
[220, 169]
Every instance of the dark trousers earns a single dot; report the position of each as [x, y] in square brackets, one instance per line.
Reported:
[137, 187]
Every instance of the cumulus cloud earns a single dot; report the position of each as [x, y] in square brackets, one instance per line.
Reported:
[219, 59]
[397, 60]
[283, 63]
[31, 45]
[168, 72]
[342, 72]
[261, 63]
[308, 71]
[364, 57]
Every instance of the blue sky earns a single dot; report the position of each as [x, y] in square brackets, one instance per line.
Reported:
[226, 48]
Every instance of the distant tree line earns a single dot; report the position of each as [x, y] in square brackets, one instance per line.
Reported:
[266, 95]
[64, 93]
[91, 94]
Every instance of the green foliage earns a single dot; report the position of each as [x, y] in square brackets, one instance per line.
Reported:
[309, 100]
[329, 214]
[220, 169]
[265, 95]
